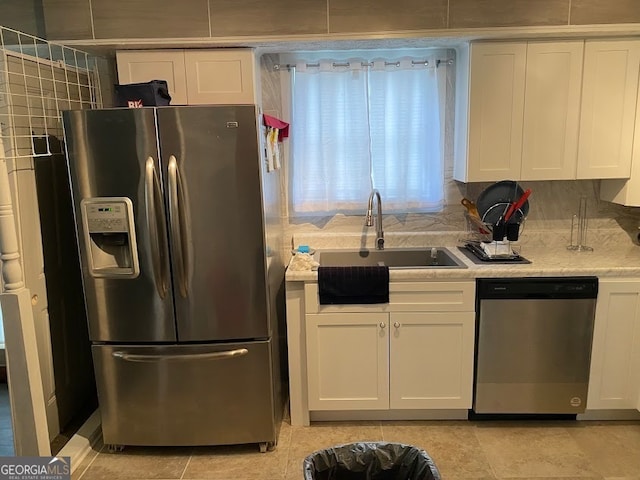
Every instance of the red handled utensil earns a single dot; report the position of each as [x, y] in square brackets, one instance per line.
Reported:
[515, 206]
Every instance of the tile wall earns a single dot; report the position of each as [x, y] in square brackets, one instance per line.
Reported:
[23, 15]
[102, 19]
[35, 93]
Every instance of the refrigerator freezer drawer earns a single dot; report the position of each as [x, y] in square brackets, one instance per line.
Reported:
[186, 394]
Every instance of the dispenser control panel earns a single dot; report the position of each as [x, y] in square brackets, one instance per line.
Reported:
[110, 237]
[107, 217]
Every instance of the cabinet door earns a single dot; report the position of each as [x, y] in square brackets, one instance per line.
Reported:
[220, 76]
[348, 361]
[609, 89]
[431, 362]
[626, 191]
[496, 106]
[551, 110]
[614, 379]
[137, 66]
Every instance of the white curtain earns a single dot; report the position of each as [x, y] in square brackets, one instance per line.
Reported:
[358, 127]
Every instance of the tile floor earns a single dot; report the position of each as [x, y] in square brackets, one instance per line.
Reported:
[461, 450]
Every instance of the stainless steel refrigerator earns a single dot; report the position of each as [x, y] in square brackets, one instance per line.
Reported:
[177, 228]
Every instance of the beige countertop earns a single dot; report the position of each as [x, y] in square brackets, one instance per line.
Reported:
[614, 255]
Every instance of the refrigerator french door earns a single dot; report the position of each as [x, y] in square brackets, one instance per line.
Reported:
[171, 234]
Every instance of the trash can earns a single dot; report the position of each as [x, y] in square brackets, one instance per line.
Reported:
[370, 461]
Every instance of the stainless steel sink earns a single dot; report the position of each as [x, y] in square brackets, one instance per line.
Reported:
[393, 258]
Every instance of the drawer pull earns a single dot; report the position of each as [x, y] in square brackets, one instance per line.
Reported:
[383, 325]
[396, 324]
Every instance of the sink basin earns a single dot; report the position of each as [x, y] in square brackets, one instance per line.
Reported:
[393, 258]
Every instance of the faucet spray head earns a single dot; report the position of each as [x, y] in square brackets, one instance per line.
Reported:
[368, 219]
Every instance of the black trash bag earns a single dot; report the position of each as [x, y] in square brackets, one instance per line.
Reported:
[370, 461]
[148, 94]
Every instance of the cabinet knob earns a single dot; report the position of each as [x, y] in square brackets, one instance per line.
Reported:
[396, 324]
[383, 325]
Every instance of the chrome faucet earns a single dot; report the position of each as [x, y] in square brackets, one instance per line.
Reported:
[369, 218]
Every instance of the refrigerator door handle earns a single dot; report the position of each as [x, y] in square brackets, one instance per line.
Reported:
[177, 219]
[155, 219]
[134, 357]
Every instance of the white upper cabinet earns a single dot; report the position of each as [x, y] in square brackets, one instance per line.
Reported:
[609, 91]
[626, 191]
[523, 111]
[221, 76]
[551, 110]
[137, 66]
[194, 77]
[557, 110]
[496, 103]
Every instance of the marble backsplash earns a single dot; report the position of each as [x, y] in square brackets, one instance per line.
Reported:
[552, 206]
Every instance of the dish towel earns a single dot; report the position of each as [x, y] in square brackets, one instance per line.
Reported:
[273, 122]
[275, 131]
[353, 285]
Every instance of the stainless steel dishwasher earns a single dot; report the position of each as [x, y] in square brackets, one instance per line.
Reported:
[533, 344]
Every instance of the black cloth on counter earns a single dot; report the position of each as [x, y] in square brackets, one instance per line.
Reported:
[352, 285]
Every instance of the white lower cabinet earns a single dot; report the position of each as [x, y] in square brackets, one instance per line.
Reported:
[398, 360]
[431, 360]
[417, 351]
[347, 361]
[614, 381]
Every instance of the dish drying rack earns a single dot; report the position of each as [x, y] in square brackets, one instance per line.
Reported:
[479, 239]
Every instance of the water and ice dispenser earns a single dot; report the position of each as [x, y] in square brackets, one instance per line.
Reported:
[110, 237]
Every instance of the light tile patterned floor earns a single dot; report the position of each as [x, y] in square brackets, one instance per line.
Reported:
[461, 450]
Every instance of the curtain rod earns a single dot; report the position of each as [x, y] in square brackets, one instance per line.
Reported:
[289, 66]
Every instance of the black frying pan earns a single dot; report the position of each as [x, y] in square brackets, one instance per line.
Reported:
[494, 200]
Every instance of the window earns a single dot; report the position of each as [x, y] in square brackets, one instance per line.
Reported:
[358, 125]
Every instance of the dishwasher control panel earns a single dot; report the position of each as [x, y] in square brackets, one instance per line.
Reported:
[538, 287]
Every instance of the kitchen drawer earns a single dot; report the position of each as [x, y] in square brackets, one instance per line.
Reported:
[455, 296]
